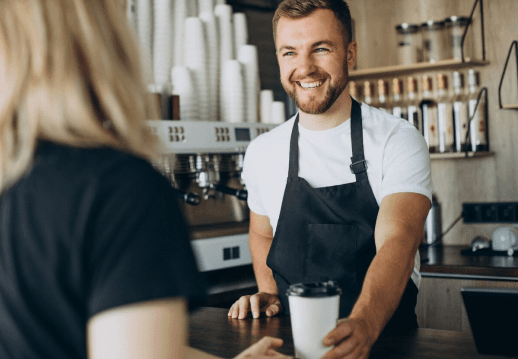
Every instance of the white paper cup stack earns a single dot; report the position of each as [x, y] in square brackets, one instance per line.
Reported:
[248, 58]
[180, 12]
[232, 92]
[205, 6]
[266, 106]
[131, 13]
[183, 85]
[226, 32]
[145, 31]
[278, 112]
[195, 58]
[212, 42]
[240, 30]
[162, 42]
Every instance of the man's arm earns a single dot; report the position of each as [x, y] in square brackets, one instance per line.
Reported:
[260, 241]
[399, 229]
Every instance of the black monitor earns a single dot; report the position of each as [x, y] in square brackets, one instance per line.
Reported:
[493, 317]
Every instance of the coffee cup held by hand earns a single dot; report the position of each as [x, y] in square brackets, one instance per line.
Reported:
[314, 310]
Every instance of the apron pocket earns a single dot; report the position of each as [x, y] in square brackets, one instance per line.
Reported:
[331, 253]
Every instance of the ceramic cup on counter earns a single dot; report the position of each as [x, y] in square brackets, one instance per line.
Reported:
[314, 309]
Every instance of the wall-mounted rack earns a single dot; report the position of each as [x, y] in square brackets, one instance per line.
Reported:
[400, 70]
[514, 45]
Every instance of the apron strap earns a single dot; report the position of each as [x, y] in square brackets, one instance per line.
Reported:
[358, 163]
[293, 172]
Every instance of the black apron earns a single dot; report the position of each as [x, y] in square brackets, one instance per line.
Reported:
[328, 233]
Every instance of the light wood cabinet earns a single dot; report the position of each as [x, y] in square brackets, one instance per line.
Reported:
[440, 305]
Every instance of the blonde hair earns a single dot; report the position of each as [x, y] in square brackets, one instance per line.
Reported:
[73, 76]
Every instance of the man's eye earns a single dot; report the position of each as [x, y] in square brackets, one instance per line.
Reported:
[289, 53]
[321, 49]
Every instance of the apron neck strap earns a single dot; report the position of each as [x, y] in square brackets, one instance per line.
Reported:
[358, 166]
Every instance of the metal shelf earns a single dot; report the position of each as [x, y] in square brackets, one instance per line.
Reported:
[460, 155]
[399, 70]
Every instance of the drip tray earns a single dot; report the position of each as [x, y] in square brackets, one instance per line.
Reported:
[486, 252]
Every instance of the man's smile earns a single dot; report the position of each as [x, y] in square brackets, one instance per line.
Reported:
[310, 85]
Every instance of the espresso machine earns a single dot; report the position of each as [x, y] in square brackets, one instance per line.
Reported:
[203, 161]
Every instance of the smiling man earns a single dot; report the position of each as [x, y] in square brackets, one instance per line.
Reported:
[339, 192]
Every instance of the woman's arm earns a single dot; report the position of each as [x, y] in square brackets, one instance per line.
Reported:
[154, 329]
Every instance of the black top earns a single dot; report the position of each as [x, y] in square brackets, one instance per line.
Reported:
[86, 230]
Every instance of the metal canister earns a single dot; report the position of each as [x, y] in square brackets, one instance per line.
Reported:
[433, 227]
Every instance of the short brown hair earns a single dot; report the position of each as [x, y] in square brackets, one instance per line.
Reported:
[295, 9]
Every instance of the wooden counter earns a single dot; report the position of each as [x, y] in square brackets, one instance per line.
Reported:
[447, 261]
[213, 332]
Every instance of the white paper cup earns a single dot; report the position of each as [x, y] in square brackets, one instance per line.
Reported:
[240, 30]
[314, 310]
[278, 112]
[226, 32]
[266, 106]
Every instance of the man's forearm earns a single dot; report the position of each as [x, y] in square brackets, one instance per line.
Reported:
[384, 284]
[259, 248]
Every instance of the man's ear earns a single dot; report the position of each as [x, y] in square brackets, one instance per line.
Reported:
[352, 50]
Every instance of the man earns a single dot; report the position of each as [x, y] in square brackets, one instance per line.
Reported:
[339, 192]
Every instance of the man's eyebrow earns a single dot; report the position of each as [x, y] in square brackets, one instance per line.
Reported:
[286, 47]
[324, 42]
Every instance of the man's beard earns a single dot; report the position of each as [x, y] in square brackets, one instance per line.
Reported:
[313, 106]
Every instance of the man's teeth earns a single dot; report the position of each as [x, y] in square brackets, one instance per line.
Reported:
[311, 85]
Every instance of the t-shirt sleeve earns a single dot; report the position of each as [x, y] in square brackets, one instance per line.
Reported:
[406, 163]
[139, 247]
[251, 181]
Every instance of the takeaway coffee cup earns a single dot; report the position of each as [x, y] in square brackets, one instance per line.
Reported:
[314, 309]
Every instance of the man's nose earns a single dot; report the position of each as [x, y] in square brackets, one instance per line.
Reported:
[305, 66]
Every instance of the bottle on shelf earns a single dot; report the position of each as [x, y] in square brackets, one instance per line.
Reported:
[383, 96]
[429, 111]
[460, 112]
[412, 104]
[397, 104]
[368, 94]
[478, 125]
[444, 115]
[355, 91]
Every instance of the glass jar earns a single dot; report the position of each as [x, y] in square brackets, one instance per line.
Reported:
[408, 44]
[433, 35]
[455, 27]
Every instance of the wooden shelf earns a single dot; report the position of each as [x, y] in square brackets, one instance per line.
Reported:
[400, 70]
[510, 107]
[459, 155]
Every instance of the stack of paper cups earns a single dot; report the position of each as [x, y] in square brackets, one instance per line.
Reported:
[144, 31]
[195, 58]
[278, 112]
[162, 42]
[131, 13]
[180, 14]
[226, 32]
[266, 106]
[205, 6]
[184, 86]
[240, 30]
[211, 36]
[247, 56]
[232, 92]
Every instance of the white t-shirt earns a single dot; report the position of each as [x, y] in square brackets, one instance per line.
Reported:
[396, 153]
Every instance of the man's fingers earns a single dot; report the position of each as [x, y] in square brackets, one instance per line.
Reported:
[345, 348]
[243, 306]
[255, 305]
[342, 331]
[273, 310]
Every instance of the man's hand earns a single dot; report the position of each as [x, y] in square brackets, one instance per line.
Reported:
[259, 302]
[351, 339]
[264, 348]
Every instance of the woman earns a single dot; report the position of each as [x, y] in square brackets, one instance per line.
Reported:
[94, 258]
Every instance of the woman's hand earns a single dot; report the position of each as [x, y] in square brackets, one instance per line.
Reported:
[264, 348]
